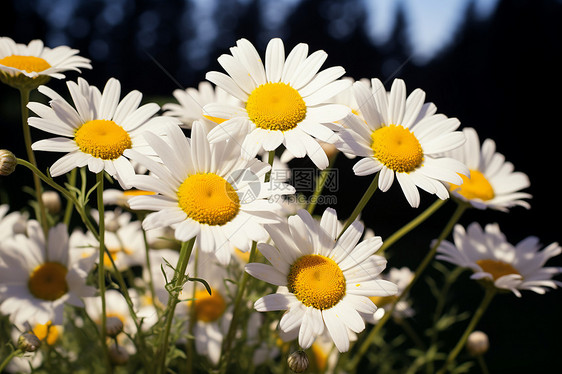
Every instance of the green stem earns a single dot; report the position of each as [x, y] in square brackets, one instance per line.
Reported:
[417, 275]
[7, 360]
[488, 296]
[240, 292]
[412, 224]
[42, 214]
[361, 205]
[320, 184]
[192, 317]
[179, 279]
[101, 261]
[70, 205]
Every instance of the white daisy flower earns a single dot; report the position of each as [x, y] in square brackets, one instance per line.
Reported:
[284, 102]
[402, 138]
[324, 282]
[492, 183]
[191, 102]
[35, 60]
[494, 260]
[99, 132]
[35, 287]
[206, 191]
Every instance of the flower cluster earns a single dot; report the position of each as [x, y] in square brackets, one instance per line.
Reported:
[188, 259]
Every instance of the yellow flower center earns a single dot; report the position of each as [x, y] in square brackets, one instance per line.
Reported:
[102, 139]
[496, 268]
[276, 106]
[316, 281]
[208, 199]
[28, 64]
[475, 187]
[397, 148]
[46, 332]
[48, 281]
[209, 308]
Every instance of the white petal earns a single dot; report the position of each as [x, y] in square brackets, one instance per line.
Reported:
[409, 188]
[274, 60]
[109, 99]
[266, 273]
[274, 302]
[312, 325]
[308, 69]
[186, 230]
[55, 145]
[227, 83]
[294, 59]
[337, 328]
[129, 103]
[366, 166]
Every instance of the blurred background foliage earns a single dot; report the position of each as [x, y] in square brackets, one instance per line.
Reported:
[496, 70]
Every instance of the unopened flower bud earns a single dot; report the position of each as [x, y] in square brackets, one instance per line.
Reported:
[113, 326]
[51, 200]
[8, 162]
[28, 342]
[477, 343]
[298, 361]
[118, 355]
[112, 225]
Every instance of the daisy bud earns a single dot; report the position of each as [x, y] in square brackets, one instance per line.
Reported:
[298, 361]
[113, 326]
[118, 355]
[112, 225]
[8, 162]
[477, 343]
[52, 202]
[28, 342]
